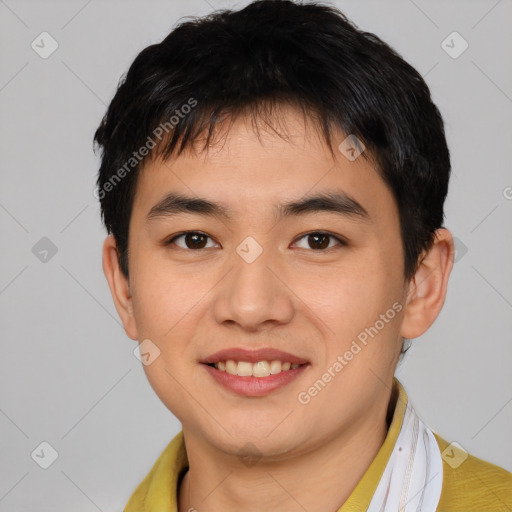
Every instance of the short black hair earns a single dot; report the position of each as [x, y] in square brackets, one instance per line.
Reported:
[270, 53]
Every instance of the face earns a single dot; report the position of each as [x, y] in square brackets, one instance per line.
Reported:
[316, 283]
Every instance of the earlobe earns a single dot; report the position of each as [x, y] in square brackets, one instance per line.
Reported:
[119, 287]
[428, 287]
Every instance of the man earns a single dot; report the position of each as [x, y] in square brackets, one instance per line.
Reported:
[273, 182]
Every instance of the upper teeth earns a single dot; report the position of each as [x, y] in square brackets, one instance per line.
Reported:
[259, 369]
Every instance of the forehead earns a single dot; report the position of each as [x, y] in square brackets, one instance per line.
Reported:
[264, 165]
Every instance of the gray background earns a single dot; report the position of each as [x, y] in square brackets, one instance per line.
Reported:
[68, 375]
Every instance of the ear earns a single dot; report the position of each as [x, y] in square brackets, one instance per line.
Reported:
[119, 287]
[427, 289]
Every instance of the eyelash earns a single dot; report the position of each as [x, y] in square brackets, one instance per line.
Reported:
[342, 243]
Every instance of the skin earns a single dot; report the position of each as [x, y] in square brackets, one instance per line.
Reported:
[295, 297]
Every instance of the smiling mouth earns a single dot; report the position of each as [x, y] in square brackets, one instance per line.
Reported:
[259, 369]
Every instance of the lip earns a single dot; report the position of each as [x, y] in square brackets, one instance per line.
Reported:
[254, 356]
[255, 386]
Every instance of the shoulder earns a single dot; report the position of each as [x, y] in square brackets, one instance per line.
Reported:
[472, 484]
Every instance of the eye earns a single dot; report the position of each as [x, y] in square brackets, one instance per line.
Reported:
[195, 240]
[192, 239]
[320, 240]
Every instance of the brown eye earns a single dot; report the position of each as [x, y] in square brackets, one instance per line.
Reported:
[320, 241]
[195, 240]
[192, 240]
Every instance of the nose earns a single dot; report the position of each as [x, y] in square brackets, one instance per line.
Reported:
[254, 294]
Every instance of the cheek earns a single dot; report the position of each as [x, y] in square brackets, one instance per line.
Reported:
[164, 308]
[346, 296]
[161, 299]
[168, 307]
[356, 302]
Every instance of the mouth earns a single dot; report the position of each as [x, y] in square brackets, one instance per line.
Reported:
[254, 373]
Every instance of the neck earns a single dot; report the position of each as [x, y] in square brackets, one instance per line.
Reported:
[332, 469]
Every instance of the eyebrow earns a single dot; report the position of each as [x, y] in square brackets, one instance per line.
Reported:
[338, 202]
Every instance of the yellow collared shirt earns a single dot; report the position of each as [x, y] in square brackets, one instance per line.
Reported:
[472, 486]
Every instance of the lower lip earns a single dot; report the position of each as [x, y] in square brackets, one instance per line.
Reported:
[254, 386]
